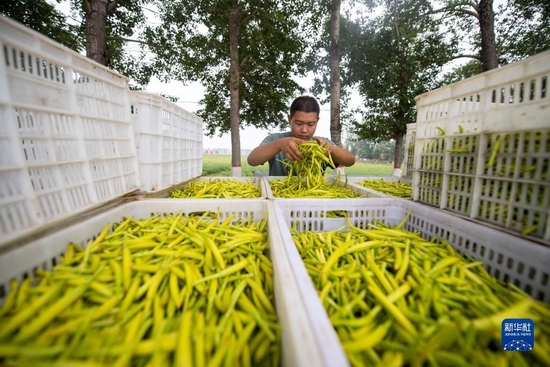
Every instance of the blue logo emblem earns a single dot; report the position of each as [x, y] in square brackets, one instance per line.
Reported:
[518, 335]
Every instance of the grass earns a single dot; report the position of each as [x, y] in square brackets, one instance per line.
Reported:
[220, 165]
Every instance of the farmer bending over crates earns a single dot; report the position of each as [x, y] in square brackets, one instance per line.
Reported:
[303, 119]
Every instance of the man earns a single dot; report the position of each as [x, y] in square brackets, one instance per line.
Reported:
[303, 119]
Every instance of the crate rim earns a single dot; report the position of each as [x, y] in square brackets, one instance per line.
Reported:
[446, 91]
[35, 34]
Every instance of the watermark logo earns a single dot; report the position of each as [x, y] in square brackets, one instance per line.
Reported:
[518, 335]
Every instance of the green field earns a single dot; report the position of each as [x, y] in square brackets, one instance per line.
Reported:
[220, 165]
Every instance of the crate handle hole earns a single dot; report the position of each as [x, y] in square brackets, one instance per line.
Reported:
[532, 273]
[521, 267]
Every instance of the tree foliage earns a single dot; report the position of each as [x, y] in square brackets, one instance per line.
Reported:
[383, 150]
[460, 72]
[125, 20]
[471, 25]
[44, 18]
[523, 29]
[122, 27]
[393, 58]
[193, 45]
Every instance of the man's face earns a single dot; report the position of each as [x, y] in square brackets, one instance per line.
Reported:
[303, 124]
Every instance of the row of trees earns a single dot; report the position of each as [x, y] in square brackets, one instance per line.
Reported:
[381, 151]
[249, 54]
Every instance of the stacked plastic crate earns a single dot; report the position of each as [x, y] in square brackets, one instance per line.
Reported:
[169, 141]
[482, 147]
[66, 141]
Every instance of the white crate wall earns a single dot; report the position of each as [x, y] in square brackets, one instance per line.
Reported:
[505, 256]
[471, 114]
[169, 141]
[66, 142]
[191, 151]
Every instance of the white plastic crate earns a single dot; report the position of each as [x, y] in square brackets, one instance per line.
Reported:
[506, 257]
[298, 345]
[457, 128]
[169, 141]
[257, 181]
[408, 162]
[66, 142]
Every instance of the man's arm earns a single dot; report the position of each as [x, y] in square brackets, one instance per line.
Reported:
[265, 152]
[340, 156]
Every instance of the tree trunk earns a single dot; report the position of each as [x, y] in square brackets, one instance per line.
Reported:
[96, 21]
[398, 155]
[489, 59]
[234, 94]
[335, 125]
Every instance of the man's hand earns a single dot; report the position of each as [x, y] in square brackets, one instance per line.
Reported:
[289, 146]
[327, 147]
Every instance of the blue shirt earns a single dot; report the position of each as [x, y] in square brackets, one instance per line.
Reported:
[276, 167]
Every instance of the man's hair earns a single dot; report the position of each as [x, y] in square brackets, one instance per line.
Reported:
[305, 104]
